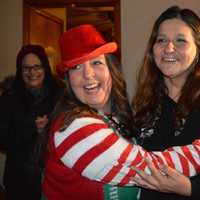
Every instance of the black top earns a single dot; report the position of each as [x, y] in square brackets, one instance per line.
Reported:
[18, 136]
[164, 135]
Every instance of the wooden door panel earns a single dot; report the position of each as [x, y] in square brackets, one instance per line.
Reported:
[42, 28]
[104, 14]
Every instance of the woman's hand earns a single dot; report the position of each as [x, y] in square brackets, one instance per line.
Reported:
[164, 180]
[41, 122]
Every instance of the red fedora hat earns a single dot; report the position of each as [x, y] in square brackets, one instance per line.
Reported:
[80, 44]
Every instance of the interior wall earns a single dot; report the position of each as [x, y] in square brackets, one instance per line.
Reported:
[10, 35]
[137, 18]
[58, 12]
[11, 41]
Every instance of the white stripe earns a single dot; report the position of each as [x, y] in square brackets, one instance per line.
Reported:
[133, 154]
[131, 181]
[179, 150]
[119, 176]
[147, 170]
[192, 170]
[125, 169]
[76, 151]
[141, 150]
[74, 126]
[176, 161]
[98, 168]
[99, 176]
[160, 155]
[195, 154]
[192, 150]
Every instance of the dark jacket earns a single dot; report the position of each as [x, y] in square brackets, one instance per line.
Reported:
[164, 135]
[18, 136]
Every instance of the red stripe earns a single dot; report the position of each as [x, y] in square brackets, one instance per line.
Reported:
[137, 159]
[157, 160]
[154, 159]
[168, 159]
[94, 152]
[188, 154]
[185, 165]
[115, 169]
[142, 165]
[131, 173]
[196, 145]
[77, 136]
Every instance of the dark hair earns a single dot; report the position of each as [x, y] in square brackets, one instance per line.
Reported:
[51, 83]
[38, 51]
[150, 85]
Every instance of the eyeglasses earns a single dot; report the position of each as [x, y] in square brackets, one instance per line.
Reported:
[28, 69]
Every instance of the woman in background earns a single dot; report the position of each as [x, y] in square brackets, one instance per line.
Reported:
[25, 111]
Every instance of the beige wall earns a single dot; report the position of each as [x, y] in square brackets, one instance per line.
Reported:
[10, 42]
[58, 12]
[137, 18]
[10, 34]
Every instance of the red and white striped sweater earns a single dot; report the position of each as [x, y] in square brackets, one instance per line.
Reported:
[90, 147]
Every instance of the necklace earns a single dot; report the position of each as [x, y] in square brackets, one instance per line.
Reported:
[113, 123]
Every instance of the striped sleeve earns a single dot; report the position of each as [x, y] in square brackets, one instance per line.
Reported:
[94, 150]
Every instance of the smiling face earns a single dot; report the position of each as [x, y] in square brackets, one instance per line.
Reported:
[91, 82]
[32, 72]
[175, 49]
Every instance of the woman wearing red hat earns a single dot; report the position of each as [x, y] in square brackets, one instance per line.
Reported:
[86, 148]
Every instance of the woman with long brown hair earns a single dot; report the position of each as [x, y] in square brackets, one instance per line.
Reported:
[167, 99]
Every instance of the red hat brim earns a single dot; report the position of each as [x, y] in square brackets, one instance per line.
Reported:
[106, 48]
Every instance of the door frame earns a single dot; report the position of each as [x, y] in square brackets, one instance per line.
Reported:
[38, 4]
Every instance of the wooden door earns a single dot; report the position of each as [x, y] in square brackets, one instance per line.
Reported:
[42, 28]
[104, 14]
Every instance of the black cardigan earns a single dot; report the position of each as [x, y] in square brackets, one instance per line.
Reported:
[18, 136]
[164, 136]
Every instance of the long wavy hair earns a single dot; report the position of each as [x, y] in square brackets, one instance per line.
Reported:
[150, 84]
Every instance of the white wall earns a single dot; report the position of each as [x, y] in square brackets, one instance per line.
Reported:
[10, 35]
[137, 18]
